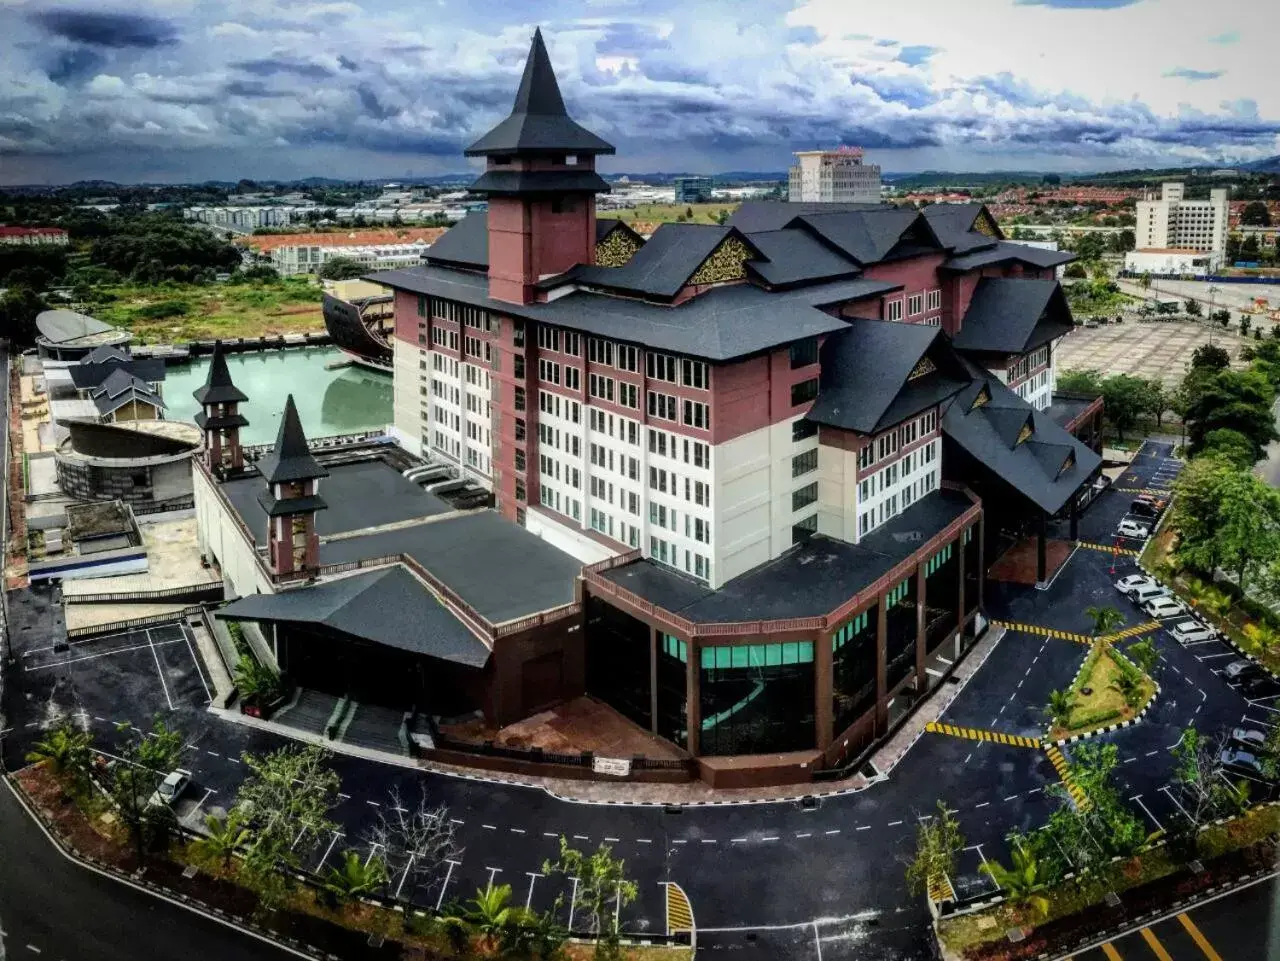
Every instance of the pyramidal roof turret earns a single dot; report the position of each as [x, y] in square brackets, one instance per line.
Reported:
[218, 388]
[538, 121]
[291, 460]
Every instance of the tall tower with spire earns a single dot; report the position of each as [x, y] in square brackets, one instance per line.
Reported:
[220, 416]
[541, 182]
[292, 498]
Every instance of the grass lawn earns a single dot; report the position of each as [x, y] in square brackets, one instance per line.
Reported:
[1102, 704]
[667, 213]
[174, 313]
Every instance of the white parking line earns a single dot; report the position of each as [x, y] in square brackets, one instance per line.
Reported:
[159, 669]
[408, 866]
[1154, 819]
[448, 875]
[92, 657]
[533, 877]
[1169, 795]
[329, 849]
[196, 662]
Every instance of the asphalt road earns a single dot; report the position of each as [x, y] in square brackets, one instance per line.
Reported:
[52, 908]
[776, 879]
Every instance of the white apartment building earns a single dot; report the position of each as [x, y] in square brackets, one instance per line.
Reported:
[1173, 223]
[833, 176]
[292, 259]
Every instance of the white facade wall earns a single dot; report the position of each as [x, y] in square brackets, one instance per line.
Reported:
[898, 467]
[831, 176]
[1167, 262]
[220, 538]
[410, 403]
[1173, 223]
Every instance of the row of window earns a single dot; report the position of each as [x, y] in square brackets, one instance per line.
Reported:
[1028, 362]
[666, 553]
[916, 304]
[614, 391]
[887, 444]
[668, 445]
[665, 367]
[896, 502]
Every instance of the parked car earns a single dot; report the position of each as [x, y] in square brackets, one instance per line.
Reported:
[1191, 631]
[1149, 592]
[1249, 738]
[1242, 762]
[1150, 500]
[1239, 668]
[1134, 529]
[1162, 607]
[168, 790]
[1145, 509]
[1131, 583]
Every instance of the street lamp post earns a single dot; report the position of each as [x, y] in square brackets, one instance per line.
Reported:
[1213, 292]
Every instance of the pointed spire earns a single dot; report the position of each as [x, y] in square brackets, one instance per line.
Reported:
[218, 388]
[539, 92]
[291, 460]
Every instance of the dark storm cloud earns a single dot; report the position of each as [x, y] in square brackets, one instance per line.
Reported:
[106, 29]
[270, 66]
[76, 63]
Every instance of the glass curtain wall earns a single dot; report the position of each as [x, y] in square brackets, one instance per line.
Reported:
[853, 669]
[757, 698]
[941, 595]
[618, 661]
[900, 629]
[673, 668]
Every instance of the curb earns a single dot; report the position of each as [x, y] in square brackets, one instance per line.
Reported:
[1121, 725]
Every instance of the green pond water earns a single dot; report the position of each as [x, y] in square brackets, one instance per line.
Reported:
[329, 401]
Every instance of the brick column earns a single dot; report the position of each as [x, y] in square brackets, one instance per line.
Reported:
[693, 709]
[823, 675]
[980, 532]
[922, 679]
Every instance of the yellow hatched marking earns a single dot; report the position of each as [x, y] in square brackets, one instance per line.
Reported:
[1153, 491]
[979, 734]
[1132, 631]
[1043, 631]
[679, 912]
[1108, 549]
[1064, 773]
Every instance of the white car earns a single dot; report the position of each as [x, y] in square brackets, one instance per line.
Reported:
[1128, 586]
[1162, 607]
[168, 790]
[1134, 529]
[1191, 632]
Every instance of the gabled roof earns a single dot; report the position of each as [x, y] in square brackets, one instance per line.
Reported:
[465, 244]
[291, 459]
[121, 388]
[665, 263]
[539, 182]
[865, 236]
[724, 323]
[1008, 250]
[84, 376]
[756, 216]
[387, 606]
[955, 225]
[218, 388]
[794, 256]
[993, 435]
[607, 225]
[866, 384]
[106, 355]
[538, 122]
[1012, 315]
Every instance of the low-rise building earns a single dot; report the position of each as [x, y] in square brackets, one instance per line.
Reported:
[693, 190]
[293, 254]
[34, 235]
[1169, 262]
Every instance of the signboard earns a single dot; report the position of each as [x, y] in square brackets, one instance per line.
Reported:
[616, 766]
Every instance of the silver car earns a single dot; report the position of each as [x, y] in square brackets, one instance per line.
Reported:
[168, 790]
[1191, 632]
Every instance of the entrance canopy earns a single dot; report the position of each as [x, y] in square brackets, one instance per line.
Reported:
[387, 606]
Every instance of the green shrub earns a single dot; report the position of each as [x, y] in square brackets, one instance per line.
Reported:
[1092, 718]
[163, 310]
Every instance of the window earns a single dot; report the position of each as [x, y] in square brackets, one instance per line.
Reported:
[422, 306]
[519, 459]
[658, 442]
[803, 429]
[701, 454]
[572, 344]
[805, 496]
[893, 309]
[662, 405]
[517, 333]
[697, 415]
[600, 351]
[693, 373]
[933, 300]
[660, 367]
[573, 378]
[548, 337]
[549, 371]
[915, 305]
[520, 491]
[802, 530]
[866, 455]
[804, 352]
[519, 398]
[804, 391]
[562, 205]
[601, 387]
[628, 358]
[804, 463]
[521, 429]
[628, 395]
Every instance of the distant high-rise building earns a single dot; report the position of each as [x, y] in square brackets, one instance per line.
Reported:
[833, 176]
[693, 190]
[1175, 223]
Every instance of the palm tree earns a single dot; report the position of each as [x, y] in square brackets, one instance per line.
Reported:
[1061, 704]
[1105, 619]
[353, 878]
[1023, 882]
[66, 750]
[1129, 685]
[226, 835]
[490, 914]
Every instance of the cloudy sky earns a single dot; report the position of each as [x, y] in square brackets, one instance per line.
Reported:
[181, 90]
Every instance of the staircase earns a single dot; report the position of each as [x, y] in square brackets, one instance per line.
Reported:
[375, 727]
[310, 712]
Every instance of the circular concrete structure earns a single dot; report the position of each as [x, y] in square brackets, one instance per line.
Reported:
[67, 335]
[142, 462]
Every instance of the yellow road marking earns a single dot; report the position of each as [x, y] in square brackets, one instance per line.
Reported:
[1154, 944]
[1201, 941]
[978, 734]
[1111, 953]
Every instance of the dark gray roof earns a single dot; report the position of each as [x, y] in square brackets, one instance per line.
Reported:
[219, 421]
[121, 388]
[865, 236]
[865, 386]
[665, 263]
[756, 216]
[217, 387]
[465, 243]
[797, 257]
[1011, 315]
[721, 324]
[607, 225]
[1005, 251]
[67, 326]
[1035, 467]
[105, 355]
[499, 568]
[953, 223]
[1067, 407]
[87, 376]
[387, 606]
[809, 580]
[538, 120]
[539, 182]
[291, 459]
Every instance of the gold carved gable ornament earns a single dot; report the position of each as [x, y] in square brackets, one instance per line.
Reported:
[617, 248]
[926, 366]
[727, 262]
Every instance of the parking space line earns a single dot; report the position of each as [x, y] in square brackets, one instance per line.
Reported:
[1154, 819]
[1154, 944]
[159, 669]
[1198, 937]
[329, 850]
[196, 662]
[533, 877]
[452, 864]
[92, 657]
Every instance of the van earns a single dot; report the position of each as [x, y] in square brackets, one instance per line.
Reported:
[1148, 592]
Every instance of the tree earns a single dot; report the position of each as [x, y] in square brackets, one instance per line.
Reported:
[18, 310]
[1129, 685]
[224, 836]
[1075, 271]
[1197, 508]
[353, 878]
[602, 890]
[1231, 445]
[1105, 619]
[1144, 655]
[256, 682]
[491, 915]
[938, 844]
[1248, 532]
[1238, 400]
[1145, 280]
[1061, 703]
[1206, 792]
[341, 268]
[1124, 398]
[1255, 214]
[415, 842]
[146, 758]
[1087, 382]
[1156, 400]
[67, 751]
[1023, 882]
[1211, 356]
[1192, 308]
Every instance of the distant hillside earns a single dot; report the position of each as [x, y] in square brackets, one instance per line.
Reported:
[1271, 165]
